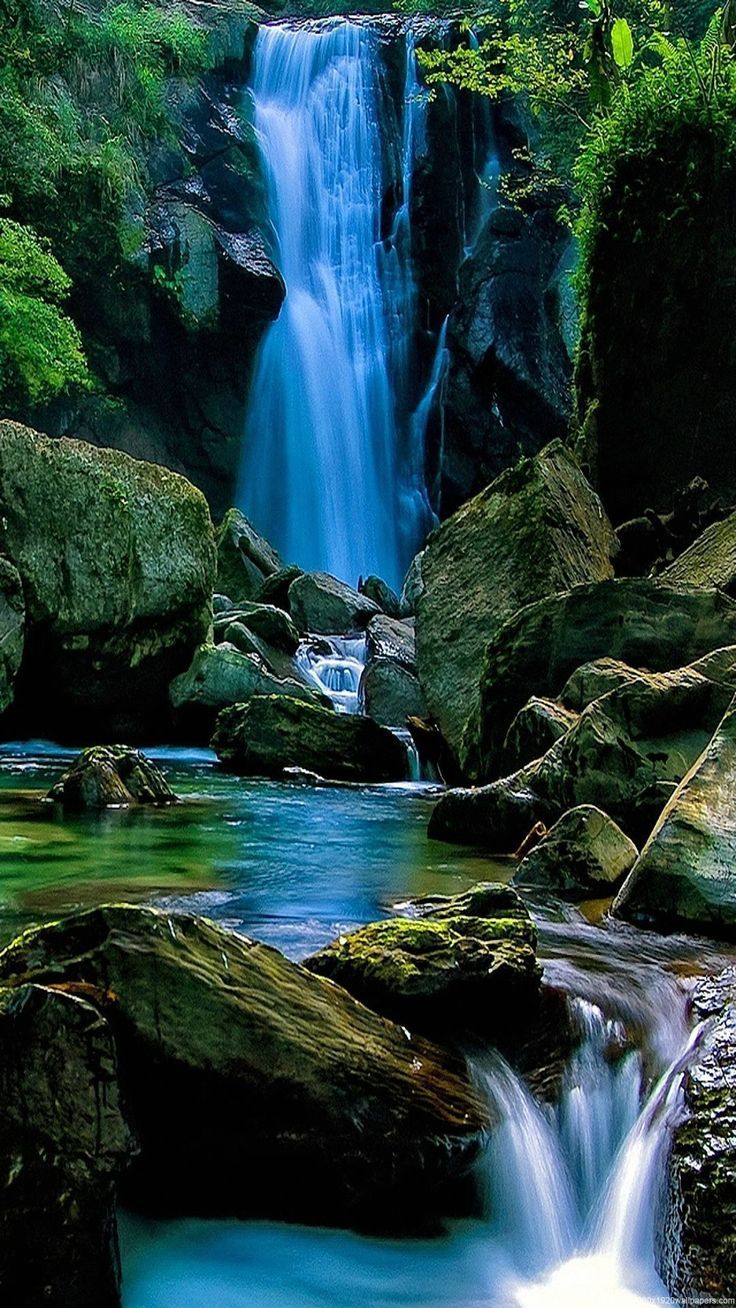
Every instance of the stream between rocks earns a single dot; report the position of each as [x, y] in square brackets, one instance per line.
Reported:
[571, 1188]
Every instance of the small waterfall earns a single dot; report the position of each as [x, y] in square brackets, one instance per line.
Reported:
[334, 664]
[322, 463]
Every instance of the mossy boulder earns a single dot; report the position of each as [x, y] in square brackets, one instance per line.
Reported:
[584, 854]
[236, 1063]
[642, 623]
[270, 625]
[389, 689]
[111, 776]
[64, 1144]
[324, 606]
[116, 558]
[534, 730]
[382, 594]
[245, 560]
[710, 560]
[12, 630]
[468, 965]
[275, 732]
[686, 874]
[222, 675]
[537, 529]
[699, 1219]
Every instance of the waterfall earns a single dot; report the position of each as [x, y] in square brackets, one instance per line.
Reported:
[322, 464]
[334, 664]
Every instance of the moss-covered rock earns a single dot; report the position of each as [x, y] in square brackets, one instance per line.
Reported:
[324, 606]
[220, 676]
[245, 560]
[389, 688]
[709, 561]
[267, 623]
[534, 730]
[275, 732]
[585, 853]
[686, 874]
[643, 623]
[237, 1063]
[111, 776]
[116, 558]
[536, 530]
[699, 1221]
[64, 1144]
[468, 965]
[382, 594]
[12, 630]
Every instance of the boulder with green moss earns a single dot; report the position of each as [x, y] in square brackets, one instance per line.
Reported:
[534, 730]
[699, 1220]
[65, 1142]
[643, 623]
[460, 964]
[275, 732]
[116, 558]
[12, 630]
[222, 675]
[585, 853]
[710, 560]
[537, 529]
[111, 776]
[263, 1070]
[245, 560]
[686, 874]
[324, 606]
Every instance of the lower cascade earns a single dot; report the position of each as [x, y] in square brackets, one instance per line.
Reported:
[323, 473]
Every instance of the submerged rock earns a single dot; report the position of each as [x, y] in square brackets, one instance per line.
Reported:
[699, 1223]
[244, 559]
[257, 1088]
[275, 732]
[463, 964]
[642, 623]
[324, 606]
[111, 776]
[686, 874]
[538, 529]
[12, 630]
[64, 1144]
[585, 853]
[116, 557]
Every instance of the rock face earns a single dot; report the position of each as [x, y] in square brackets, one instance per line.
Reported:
[585, 853]
[244, 559]
[220, 676]
[116, 558]
[64, 1142]
[700, 1214]
[389, 688]
[464, 964]
[710, 560]
[12, 630]
[331, 1112]
[686, 874]
[324, 606]
[274, 732]
[111, 776]
[643, 623]
[625, 754]
[536, 530]
[508, 383]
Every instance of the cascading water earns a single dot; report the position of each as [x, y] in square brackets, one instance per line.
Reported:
[335, 664]
[321, 473]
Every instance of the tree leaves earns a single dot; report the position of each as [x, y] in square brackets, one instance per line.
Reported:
[622, 43]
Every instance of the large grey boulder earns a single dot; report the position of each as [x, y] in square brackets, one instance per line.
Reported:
[264, 1070]
[12, 630]
[584, 854]
[117, 563]
[538, 529]
[245, 560]
[64, 1144]
[534, 730]
[324, 606]
[699, 1221]
[390, 692]
[221, 675]
[273, 733]
[686, 874]
[639, 622]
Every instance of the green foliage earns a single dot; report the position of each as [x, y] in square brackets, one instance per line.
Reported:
[40, 348]
[83, 94]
